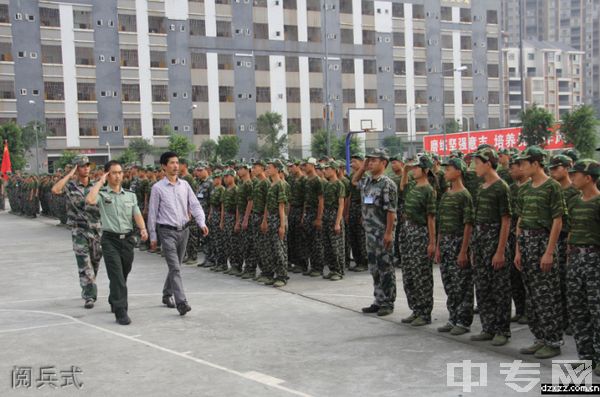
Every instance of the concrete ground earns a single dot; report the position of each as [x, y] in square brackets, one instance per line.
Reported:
[240, 339]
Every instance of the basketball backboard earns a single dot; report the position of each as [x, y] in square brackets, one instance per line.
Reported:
[365, 120]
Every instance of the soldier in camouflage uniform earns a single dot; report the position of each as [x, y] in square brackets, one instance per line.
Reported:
[273, 250]
[215, 255]
[204, 189]
[541, 208]
[583, 266]
[2, 193]
[241, 235]
[398, 170]
[229, 217]
[491, 273]
[418, 246]
[341, 175]
[313, 219]
[504, 166]
[559, 170]
[356, 229]
[334, 192]
[379, 198]
[260, 187]
[84, 221]
[297, 253]
[456, 224]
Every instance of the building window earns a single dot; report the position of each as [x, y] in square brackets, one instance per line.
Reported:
[198, 60]
[465, 43]
[448, 97]
[418, 39]
[465, 15]
[87, 127]
[467, 97]
[315, 65]
[199, 93]
[447, 41]
[225, 94]
[314, 34]
[130, 58]
[399, 68]
[315, 125]
[313, 5]
[421, 97]
[225, 61]
[368, 37]
[156, 24]
[161, 127]
[51, 54]
[397, 10]
[401, 125]
[263, 94]
[127, 23]
[197, 27]
[261, 31]
[290, 32]
[370, 66]
[493, 97]
[7, 90]
[223, 29]
[492, 43]
[349, 95]
[347, 65]
[418, 11]
[292, 94]
[420, 69]
[84, 56]
[158, 59]
[398, 39]
[400, 96]
[370, 96]
[82, 19]
[49, 17]
[292, 64]
[6, 52]
[446, 14]
[86, 92]
[35, 92]
[492, 70]
[56, 127]
[131, 92]
[261, 62]
[227, 126]
[316, 95]
[160, 93]
[492, 16]
[201, 127]
[347, 36]
[132, 127]
[54, 90]
[421, 125]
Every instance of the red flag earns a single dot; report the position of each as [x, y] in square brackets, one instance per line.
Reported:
[5, 162]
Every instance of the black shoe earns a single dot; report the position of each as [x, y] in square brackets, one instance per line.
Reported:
[370, 309]
[122, 317]
[89, 304]
[168, 300]
[183, 308]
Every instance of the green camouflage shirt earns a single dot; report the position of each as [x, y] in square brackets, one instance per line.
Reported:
[380, 196]
[585, 221]
[492, 203]
[504, 173]
[297, 185]
[259, 195]
[419, 202]
[276, 194]
[456, 210]
[354, 192]
[515, 189]
[244, 194]
[190, 179]
[230, 199]
[347, 182]
[472, 183]
[81, 216]
[312, 191]
[538, 206]
[442, 184]
[332, 192]
[216, 198]
[569, 194]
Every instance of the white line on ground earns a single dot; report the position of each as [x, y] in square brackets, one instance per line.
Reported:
[253, 376]
[35, 327]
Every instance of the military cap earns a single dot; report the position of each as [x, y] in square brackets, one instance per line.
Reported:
[230, 163]
[485, 146]
[457, 163]
[358, 156]
[217, 174]
[324, 159]
[229, 172]
[243, 165]
[533, 153]
[330, 164]
[560, 160]
[487, 154]
[311, 160]
[587, 166]
[80, 160]
[505, 152]
[423, 161]
[396, 157]
[277, 163]
[259, 162]
[434, 157]
[341, 163]
[380, 153]
[457, 153]
[572, 153]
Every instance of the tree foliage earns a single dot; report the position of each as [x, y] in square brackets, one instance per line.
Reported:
[29, 132]
[579, 128]
[273, 143]
[228, 147]
[337, 145]
[128, 156]
[141, 147]
[208, 150]
[452, 126]
[12, 133]
[181, 145]
[65, 159]
[393, 144]
[536, 123]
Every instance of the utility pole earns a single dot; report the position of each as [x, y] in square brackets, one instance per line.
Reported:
[326, 63]
[521, 57]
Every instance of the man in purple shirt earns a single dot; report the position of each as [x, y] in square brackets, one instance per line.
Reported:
[172, 200]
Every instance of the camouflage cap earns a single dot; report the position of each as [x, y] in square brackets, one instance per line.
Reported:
[200, 165]
[311, 160]
[331, 164]
[243, 165]
[324, 159]
[435, 157]
[572, 153]
[380, 153]
[504, 152]
[534, 153]
[277, 163]
[457, 154]
[80, 160]
[457, 163]
[560, 160]
[397, 157]
[228, 172]
[217, 174]
[259, 162]
[423, 161]
[487, 154]
[587, 166]
[230, 163]
[358, 156]
[485, 146]
[341, 163]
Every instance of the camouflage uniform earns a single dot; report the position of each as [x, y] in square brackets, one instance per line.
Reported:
[191, 250]
[203, 194]
[230, 207]
[296, 238]
[345, 227]
[84, 221]
[583, 277]
[259, 197]
[216, 254]
[334, 255]
[380, 196]
[241, 240]
[356, 229]
[516, 280]
[314, 241]
[273, 251]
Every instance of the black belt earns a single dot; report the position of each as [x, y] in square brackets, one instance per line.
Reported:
[583, 249]
[177, 229]
[486, 226]
[117, 235]
[534, 232]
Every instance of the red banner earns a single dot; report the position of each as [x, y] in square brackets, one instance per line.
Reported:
[467, 142]
[6, 166]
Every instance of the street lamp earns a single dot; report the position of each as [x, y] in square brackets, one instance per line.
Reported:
[412, 135]
[459, 69]
[37, 146]
[108, 147]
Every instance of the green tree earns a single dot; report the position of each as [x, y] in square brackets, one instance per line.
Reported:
[12, 133]
[28, 133]
[141, 147]
[273, 143]
[228, 147]
[536, 123]
[65, 159]
[319, 143]
[128, 156]
[208, 150]
[393, 144]
[181, 145]
[340, 152]
[452, 126]
[579, 128]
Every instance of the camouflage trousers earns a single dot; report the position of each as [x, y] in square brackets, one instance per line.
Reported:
[215, 241]
[273, 251]
[228, 247]
[516, 280]
[492, 287]
[240, 247]
[458, 282]
[347, 250]
[417, 271]
[542, 289]
[297, 253]
[88, 253]
[334, 253]
[191, 250]
[400, 237]
[356, 235]
[561, 252]
[381, 267]
[253, 258]
[583, 298]
[314, 241]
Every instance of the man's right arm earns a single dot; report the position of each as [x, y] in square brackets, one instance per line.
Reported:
[59, 187]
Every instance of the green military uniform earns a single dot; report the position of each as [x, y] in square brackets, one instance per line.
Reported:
[244, 237]
[516, 280]
[215, 254]
[273, 251]
[314, 242]
[334, 255]
[259, 197]
[356, 230]
[297, 253]
[230, 208]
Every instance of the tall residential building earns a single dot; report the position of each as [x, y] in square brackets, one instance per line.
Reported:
[99, 72]
[553, 78]
[575, 23]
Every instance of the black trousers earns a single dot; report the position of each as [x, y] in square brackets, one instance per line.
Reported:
[118, 258]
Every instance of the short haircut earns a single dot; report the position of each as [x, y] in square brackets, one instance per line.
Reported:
[166, 156]
[108, 165]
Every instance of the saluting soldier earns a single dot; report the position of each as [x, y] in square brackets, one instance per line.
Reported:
[356, 230]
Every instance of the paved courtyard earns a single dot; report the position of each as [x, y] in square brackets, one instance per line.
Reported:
[240, 339]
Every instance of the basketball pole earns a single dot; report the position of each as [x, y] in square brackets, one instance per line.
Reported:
[348, 139]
